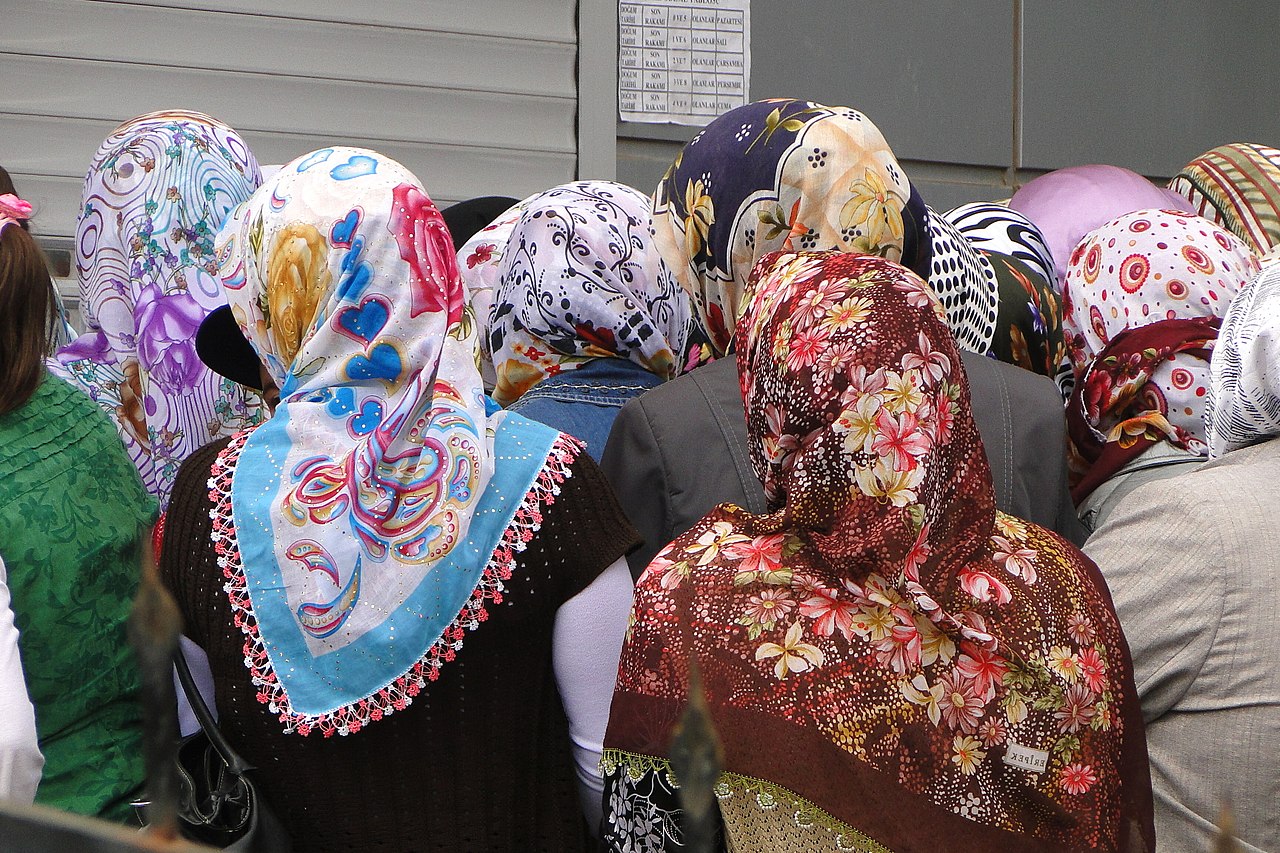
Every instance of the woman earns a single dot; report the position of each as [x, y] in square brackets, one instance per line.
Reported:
[1069, 203]
[384, 515]
[586, 315]
[71, 509]
[1028, 328]
[1145, 294]
[1191, 564]
[889, 662]
[789, 173]
[156, 193]
[1236, 186]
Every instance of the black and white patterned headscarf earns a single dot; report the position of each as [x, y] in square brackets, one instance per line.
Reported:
[996, 228]
[1243, 407]
[966, 283]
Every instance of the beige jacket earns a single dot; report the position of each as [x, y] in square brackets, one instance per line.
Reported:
[1193, 563]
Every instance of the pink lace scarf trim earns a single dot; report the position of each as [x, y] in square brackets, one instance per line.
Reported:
[400, 693]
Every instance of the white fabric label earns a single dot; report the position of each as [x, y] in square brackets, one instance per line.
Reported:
[1026, 758]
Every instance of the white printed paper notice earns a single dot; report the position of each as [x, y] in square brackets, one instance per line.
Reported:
[682, 61]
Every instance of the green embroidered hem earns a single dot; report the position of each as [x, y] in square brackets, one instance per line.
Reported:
[734, 789]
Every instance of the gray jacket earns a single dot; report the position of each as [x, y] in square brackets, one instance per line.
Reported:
[1193, 564]
[677, 451]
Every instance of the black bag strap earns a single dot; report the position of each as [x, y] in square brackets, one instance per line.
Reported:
[233, 760]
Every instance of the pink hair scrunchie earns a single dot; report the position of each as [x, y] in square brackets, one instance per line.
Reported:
[13, 209]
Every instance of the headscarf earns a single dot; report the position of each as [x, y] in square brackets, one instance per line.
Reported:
[966, 283]
[1238, 187]
[1005, 231]
[580, 279]
[156, 193]
[1144, 296]
[1243, 405]
[478, 261]
[368, 523]
[1067, 204]
[1028, 330]
[768, 175]
[1028, 325]
[882, 649]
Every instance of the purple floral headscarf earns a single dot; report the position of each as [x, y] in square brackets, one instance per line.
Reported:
[156, 193]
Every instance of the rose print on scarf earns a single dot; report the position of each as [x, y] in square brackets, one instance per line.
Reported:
[424, 243]
[167, 325]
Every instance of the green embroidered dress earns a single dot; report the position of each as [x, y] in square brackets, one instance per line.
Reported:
[71, 507]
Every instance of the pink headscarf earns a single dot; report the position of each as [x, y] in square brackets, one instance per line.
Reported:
[1069, 203]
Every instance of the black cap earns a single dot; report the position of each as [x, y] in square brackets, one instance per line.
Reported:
[223, 348]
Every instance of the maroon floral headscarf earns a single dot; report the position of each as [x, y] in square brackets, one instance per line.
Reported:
[882, 651]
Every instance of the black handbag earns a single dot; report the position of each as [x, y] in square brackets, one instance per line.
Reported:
[218, 803]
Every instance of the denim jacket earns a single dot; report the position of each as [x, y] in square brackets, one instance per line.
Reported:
[584, 402]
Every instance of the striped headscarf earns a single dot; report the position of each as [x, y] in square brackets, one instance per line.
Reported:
[1238, 187]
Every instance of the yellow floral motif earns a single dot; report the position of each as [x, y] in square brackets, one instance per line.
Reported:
[967, 754]
[1012, 528]
[881, 481]
[297, 277]
[515, 377]
[878, 209]
[858, 423]
[700, 215]
[717, 536]
[849, 313]
[902, 394]
[792, 655]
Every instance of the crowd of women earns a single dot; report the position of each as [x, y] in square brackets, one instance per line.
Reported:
[462, 509]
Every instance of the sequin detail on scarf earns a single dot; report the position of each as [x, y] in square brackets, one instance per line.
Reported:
[400, 693]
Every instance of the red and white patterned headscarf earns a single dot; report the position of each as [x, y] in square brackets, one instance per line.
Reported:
[1145, 294]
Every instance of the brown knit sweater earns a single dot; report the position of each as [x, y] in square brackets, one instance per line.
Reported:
[481, 760]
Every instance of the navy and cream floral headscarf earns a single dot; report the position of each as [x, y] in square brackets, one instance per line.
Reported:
[777, 174]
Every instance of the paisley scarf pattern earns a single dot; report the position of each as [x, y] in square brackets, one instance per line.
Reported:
[580, 279]
[367, 524]
[882, 629]
[1243, 405]
[1144, 268]
[156, 193]
[771, 175]
[1236, 186]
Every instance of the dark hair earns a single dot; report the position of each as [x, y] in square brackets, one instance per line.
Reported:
[27, 317]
